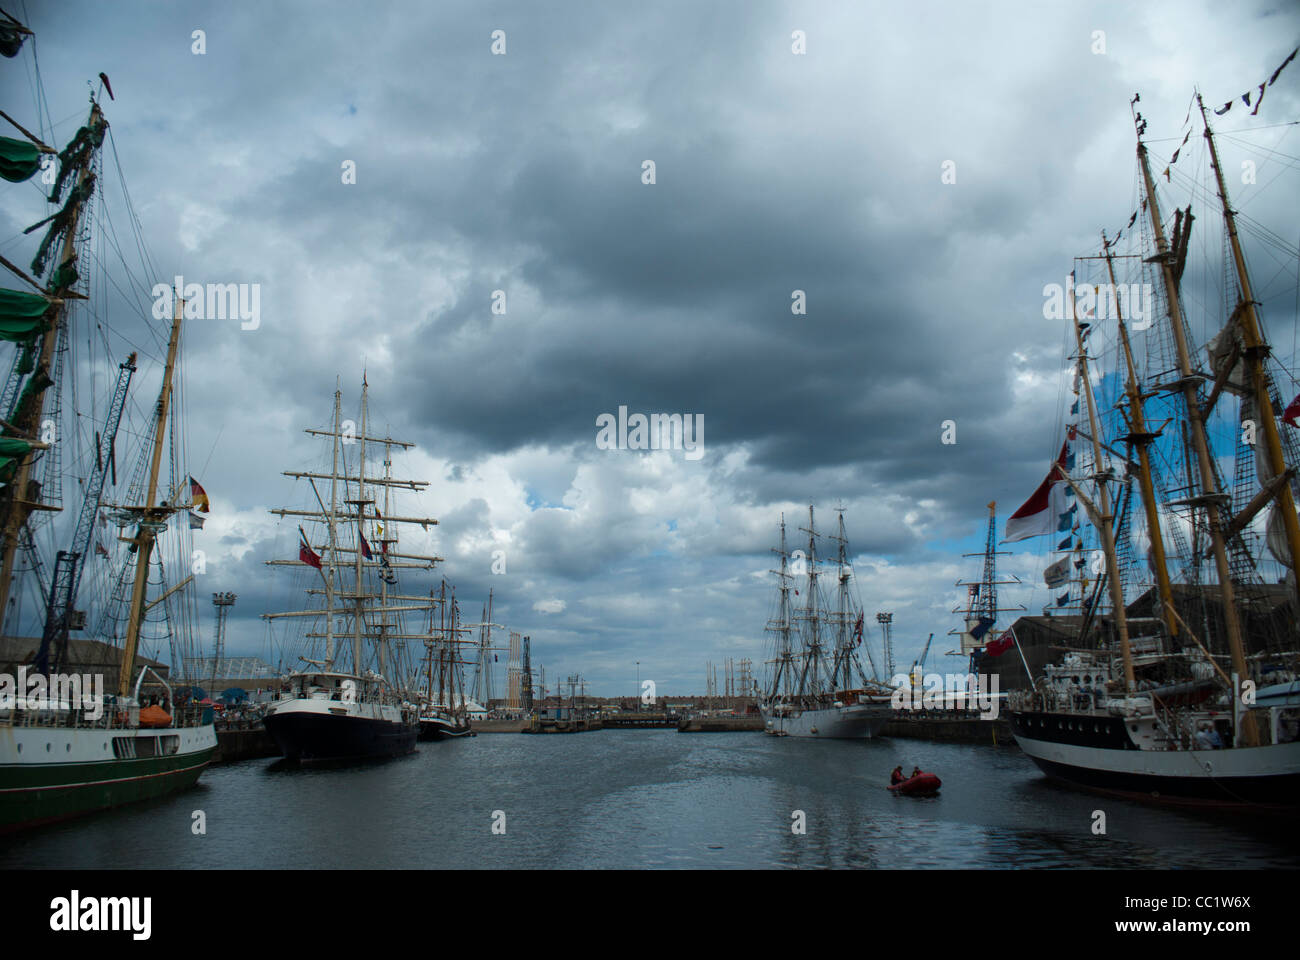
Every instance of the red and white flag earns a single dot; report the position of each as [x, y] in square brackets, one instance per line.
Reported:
[1291, 412]
[1043, 511]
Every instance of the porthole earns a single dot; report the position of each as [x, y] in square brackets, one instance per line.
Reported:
[67, 748]
[47, 748]
[1134, 728]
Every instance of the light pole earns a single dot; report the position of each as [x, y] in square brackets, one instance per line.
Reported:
[638, 685]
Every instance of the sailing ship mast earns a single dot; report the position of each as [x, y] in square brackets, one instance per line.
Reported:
[151, 518]
[358, 601]
[841, 672]
[331, 526]
[1139, 437]
[360, 504]
[809, 687]
[29, 406]
[1254, 354]
[783, 669]
[1211, 497]
[1102, 517]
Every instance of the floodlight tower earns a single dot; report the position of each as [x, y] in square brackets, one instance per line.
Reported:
[886, 621]
[222, 602]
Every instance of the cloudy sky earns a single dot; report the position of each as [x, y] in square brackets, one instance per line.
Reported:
[523, 172]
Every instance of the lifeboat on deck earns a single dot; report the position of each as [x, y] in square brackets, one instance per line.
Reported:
[919, 785]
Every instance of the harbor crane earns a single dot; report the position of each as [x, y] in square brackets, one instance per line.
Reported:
[918, 665]
[60, 615]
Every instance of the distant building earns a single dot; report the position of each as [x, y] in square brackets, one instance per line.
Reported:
[248, 673]
[84, 656]
[1266, 610]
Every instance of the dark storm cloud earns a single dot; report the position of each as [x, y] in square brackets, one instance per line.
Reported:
[522, 173]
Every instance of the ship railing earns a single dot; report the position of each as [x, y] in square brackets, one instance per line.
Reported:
[1175, 728]
[1048, 699]
[107, 717]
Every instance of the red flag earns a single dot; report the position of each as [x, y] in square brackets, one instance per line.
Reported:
[1291, 412]
[365, 547]
[305, 553]
[1000, 646]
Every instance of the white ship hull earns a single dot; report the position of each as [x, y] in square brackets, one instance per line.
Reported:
[1101, 760]
[857, 721]
[314, 728]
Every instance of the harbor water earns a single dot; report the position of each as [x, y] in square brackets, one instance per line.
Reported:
[651, 799]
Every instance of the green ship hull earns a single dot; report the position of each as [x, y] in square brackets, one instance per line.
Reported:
[37, 793]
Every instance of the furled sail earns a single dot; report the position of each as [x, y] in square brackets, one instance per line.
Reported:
[1220, 349]
[1275, 527]
[19, 159]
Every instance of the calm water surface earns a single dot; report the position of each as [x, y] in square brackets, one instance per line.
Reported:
[651, 798]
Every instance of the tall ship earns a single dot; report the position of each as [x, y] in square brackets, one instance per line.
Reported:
[444, 708]
[816, 685]
[1189, 692]
[351, 697]
[87, 721]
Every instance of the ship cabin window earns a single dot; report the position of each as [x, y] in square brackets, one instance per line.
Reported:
[138, 748]
[128, 748]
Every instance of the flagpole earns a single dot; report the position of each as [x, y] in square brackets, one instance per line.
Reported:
[1016, 640]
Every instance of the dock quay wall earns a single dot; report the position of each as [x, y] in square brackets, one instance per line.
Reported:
[244, 743]
[950, 728]
[719, 724]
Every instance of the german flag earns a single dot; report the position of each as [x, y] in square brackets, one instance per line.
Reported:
[198, 496]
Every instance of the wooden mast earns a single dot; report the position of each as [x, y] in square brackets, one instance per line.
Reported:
[1105, 517]
[1141, 439]
[359, 601]
[1211, 496]
[1254, 354]
[19, 505]
[382, 645]
[333, 535]
[150, 516]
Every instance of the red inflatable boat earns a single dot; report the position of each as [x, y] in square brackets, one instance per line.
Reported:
[920, 785]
